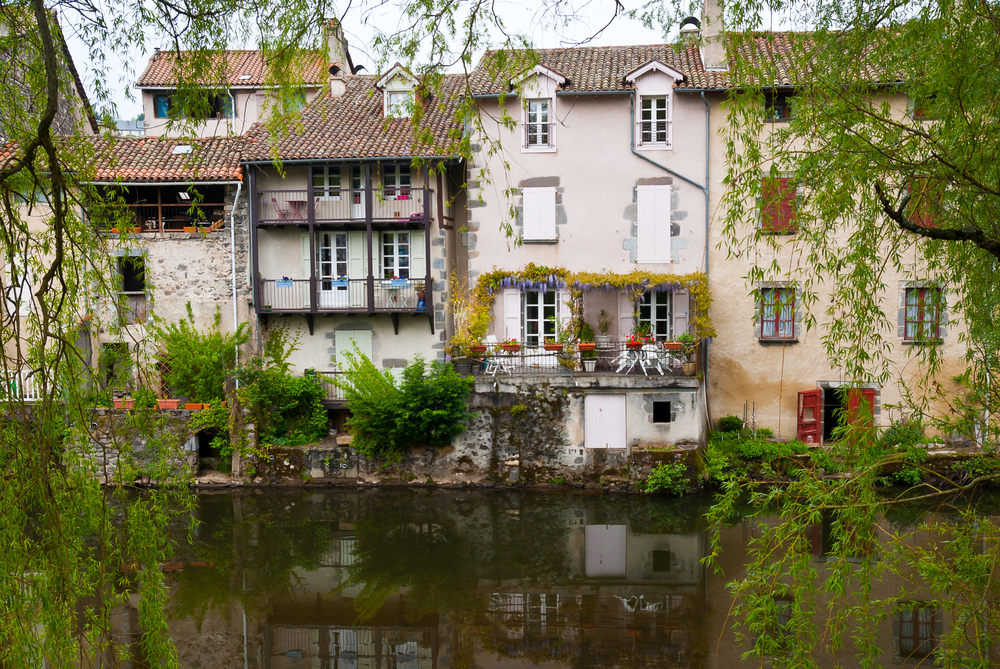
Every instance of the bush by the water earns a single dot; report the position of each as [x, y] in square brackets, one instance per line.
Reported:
[667, 477]
[427, 408]
[730, 424]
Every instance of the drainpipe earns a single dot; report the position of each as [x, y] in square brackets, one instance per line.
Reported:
[704, 189]
[232, 253]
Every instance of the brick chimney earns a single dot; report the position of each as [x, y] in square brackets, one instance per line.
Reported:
[339, 57]
[713, 35]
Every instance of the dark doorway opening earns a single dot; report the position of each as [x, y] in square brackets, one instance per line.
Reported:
[209, 457]
[834, 411]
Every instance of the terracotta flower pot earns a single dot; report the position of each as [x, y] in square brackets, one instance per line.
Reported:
[673, 345]
[633, 346]
[168, 404]
[193, 406]
[125, 403]
[553, 347]
[586, 346]
[191, 228]
[479, 348]
[511, 348]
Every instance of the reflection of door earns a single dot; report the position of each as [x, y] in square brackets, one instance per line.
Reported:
[604, 551]
[331, 251]
[357, 193]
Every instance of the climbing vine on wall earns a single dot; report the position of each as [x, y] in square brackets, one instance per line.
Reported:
[478, 314]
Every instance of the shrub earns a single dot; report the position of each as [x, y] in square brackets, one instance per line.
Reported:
[196, 362]
[427, 408]
[287, 409]
[666, 477]
[730, 424]
[768, 450]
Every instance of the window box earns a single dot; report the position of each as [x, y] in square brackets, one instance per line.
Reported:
[166, 405]
[339, 284]
[553, 346]
[283, 283]
[398, 283]
[511, 348]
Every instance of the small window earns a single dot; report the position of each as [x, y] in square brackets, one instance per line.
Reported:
[654, 120]
[661, 561]
[162, 104]
[778, 206]
[541, 317]
[923, 314]
[114, 364]
[396, 182]
[395, 255]
[778, 105]
[661, 412]
[917, 636]
[537, 129]
[326, 182]
[777, 313]
[399, 104]
[220, 106]
[294, 101]
[132, 272]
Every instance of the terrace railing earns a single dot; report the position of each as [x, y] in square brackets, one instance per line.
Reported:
[341, 205]
[611, 358]
[345, 295]
[22, 385]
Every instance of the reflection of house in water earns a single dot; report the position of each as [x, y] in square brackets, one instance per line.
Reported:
[325, 647]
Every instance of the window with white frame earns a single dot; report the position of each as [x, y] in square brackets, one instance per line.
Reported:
[653, 223]
[326, 182]
[332, 251]
[396, 182]
[395, 255]
[654, 311]
[777, 312]
[654, 120]
[923, 314]
[541, 317]
[398, 103]
[538, 213]
[537, 129]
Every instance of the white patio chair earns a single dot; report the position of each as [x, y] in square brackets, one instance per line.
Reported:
[496, 361]
[653, 355]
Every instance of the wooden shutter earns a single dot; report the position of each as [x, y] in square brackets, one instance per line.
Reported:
[345, 340]
[920, 209]
[778, 205]
[512, 314]
[625, 308]
[809, 415]
[306, 267]
[563, 309]
[854, 409]
[418, 255]
[653, 226]
[357, 268]
[604, 421]
[539, 213]
[605, 551]
[679, 309]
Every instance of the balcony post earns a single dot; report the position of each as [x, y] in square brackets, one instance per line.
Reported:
[159, 207]
[428, 280]
[368, 231]
[254, 222]
[310, 216]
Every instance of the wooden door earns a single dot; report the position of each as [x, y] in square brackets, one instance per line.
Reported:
[809, 415]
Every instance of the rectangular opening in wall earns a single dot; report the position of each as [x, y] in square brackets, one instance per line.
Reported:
[661, 412]
[661, 561]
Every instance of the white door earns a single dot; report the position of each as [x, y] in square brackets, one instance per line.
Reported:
[331, 255]
[345, 341]
[357, 193]
[604, 421]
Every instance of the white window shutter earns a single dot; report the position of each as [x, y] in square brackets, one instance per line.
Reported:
[547, 213]
[530, 213]
[681, 306]
[512, 314]
[306, 267]
[646, 214]
[357, 268]
[563, 298]
[625, 308]
[18, 289]
[661, 225]
[418, 255]
[345, 341]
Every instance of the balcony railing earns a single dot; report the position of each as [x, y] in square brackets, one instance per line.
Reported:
[341, 205]
[333, 392]
[348, 295]
[169, 218]
[21, 385]
[610, 358]
[539, 135]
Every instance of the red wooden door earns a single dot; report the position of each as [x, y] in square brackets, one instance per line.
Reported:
[854, 408]
[810, 412]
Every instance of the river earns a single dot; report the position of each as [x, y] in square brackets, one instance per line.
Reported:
[421, 579]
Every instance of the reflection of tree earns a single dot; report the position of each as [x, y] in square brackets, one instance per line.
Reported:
[396, 550]
[666, 515]
[252, 553]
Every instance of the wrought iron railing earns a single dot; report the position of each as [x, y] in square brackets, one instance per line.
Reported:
[613, 357]
[334, 393]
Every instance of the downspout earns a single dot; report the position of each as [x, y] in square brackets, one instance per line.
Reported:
[704, 189]
[232, 253]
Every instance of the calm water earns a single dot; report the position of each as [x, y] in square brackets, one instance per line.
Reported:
[420, 580]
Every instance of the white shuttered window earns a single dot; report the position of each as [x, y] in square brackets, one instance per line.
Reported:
[653, 205]
[539, 213]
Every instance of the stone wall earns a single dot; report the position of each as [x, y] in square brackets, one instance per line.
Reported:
[110, 437]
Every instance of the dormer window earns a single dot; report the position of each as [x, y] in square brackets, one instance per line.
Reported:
[654, 84]
[538, 87]
[397, 92]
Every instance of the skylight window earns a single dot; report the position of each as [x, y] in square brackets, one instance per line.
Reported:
[181, 149]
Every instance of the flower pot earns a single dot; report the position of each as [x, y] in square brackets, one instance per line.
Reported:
[673, 345]
[553, 347]
[589, 365]
[689, 368]
[633, 346]
[206, 406]
[463, 367]
[115, 230]
[422, 295]
[168, 404]
[478, 348]
[191, 228]
[586, 346]
[511, 348]
[193, 406]
[125, 403]
[603, 340]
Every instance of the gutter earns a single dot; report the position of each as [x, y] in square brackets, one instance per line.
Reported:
[355, 160]
[162, 183]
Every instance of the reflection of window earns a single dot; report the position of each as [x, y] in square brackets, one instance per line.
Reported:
[778, 105]
[162, 104]
[923, 313]
[916, 631]
[537, 124]
[541, 323]
[777, 313]
[654, 310]
[653, 120]
[326, 182]
[396, 255]
[396, 182]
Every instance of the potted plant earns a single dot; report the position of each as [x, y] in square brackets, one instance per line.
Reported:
[511, 345]
[603, 324]
[634, 342]
[478, 347]
[418, 287]
[586, 342]
[553, 345]
[168, 404]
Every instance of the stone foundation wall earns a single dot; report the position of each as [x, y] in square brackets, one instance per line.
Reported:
[110, 438]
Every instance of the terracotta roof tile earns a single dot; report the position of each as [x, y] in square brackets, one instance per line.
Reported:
[353, 126]
[152, 159]
[160, 71]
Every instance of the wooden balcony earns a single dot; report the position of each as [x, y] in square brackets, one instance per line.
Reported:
[348, 296]
[400, 207]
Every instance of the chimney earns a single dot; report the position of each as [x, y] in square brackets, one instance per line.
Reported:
[690, 31]
[713, 36]
[339, 57]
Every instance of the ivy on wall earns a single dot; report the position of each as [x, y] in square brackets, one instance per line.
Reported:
[478, 312]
